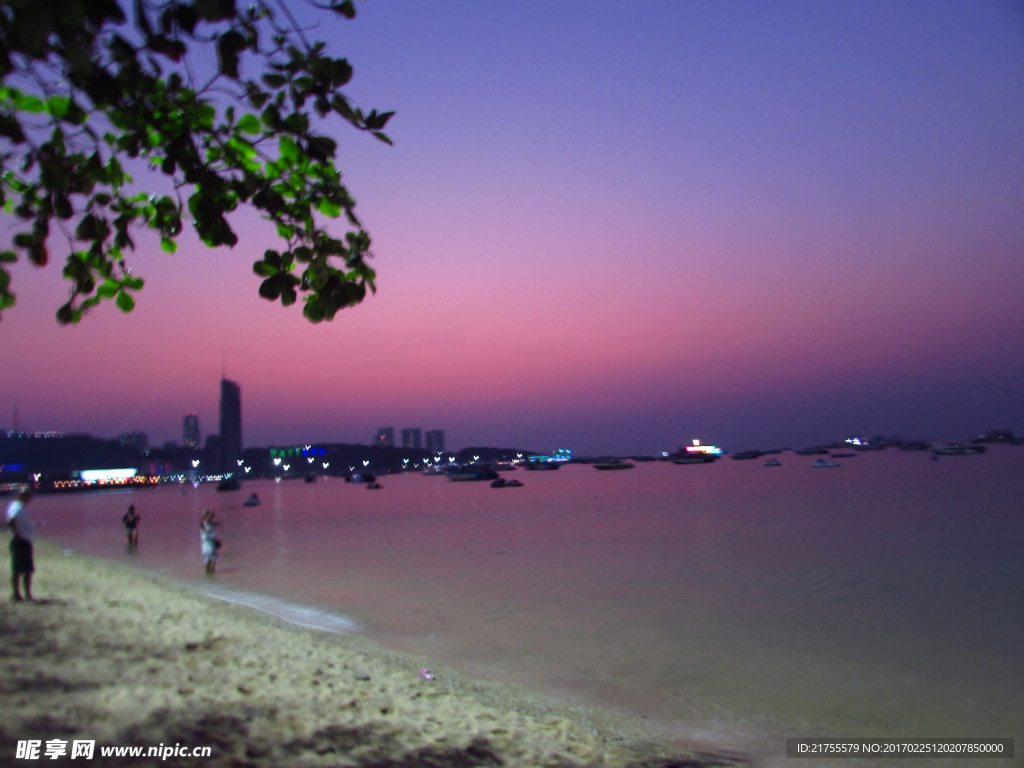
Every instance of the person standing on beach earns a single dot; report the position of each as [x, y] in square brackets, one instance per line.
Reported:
[131, 526]
[208, 536]
[20, 525]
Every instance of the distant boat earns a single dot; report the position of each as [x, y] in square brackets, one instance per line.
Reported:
[503, 483]
[747, 455]
[310, 478]
[843, 455]
[811, 452]
[470, 474]
[229, 485]
[692, 458]
[614, 464]
[822, 464]
[541, 466]
[773, 463]
[957, 449]
[374, 486]
[252, 501]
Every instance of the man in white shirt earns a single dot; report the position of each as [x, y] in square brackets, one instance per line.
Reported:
[20, 526]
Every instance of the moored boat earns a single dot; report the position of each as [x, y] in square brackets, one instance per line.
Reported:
[773, 463]
[822, 464]
[957, 449]
[746, 455]
[614, 464]
[470, 474]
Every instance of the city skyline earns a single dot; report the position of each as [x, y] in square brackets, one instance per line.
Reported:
[615, 230]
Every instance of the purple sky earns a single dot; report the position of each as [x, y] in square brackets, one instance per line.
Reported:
[612, 227]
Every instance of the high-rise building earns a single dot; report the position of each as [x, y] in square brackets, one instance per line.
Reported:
[435, 440]
[411, 438]
[386, 437]
[190, 430]
[230, 425]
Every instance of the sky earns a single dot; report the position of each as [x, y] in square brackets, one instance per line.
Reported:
[612, 227]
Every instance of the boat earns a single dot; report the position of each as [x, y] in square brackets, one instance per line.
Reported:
[822, 464]
[374, 486]
[252, 501]
[230, 484]
[811, 452]
[843, 455]
[692, 458]
[957, 449]
[695, 454]
[746, 455]
[773, 463]
[545, 463]
[614, 464]
[470, 474]
[503, 483]
[310, 478]
[541, 466]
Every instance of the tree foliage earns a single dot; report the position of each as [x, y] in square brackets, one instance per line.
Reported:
[85, 87]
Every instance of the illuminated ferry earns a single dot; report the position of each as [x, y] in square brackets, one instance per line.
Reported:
[553, 461]
[696, 454]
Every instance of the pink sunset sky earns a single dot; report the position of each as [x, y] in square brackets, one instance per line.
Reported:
[614, 228]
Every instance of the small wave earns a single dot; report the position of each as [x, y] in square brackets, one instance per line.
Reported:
[300, 615]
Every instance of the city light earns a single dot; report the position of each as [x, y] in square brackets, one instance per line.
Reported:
[195, 463]
[93, 476]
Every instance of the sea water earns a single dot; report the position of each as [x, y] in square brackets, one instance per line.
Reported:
[729, 604]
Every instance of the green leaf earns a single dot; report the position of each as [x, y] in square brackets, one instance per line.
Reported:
[124, 302]
[8, 257]
[249, 124]
[327, 208]
[289, 149]
[274, 81]
[383, 137]
[108, 290]
[58, 106]
[28, 103]
[168, 245]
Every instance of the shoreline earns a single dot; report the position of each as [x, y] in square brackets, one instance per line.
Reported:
[129, 658]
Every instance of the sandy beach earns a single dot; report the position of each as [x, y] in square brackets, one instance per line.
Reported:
[124, 658]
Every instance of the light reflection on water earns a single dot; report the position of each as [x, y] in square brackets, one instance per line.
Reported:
[730, 602]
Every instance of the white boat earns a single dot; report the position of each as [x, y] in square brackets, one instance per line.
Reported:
[773, 463]
[822, 464]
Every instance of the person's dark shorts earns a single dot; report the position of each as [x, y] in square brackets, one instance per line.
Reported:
[21, 556]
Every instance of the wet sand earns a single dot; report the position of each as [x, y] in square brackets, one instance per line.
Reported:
[124, 658]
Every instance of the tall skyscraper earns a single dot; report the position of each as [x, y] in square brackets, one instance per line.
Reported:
[411, 438]
[190, 430]
[386, 437]
[230, 425]
[435, 440]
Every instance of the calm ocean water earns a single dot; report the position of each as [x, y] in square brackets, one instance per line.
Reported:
[731, 603]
